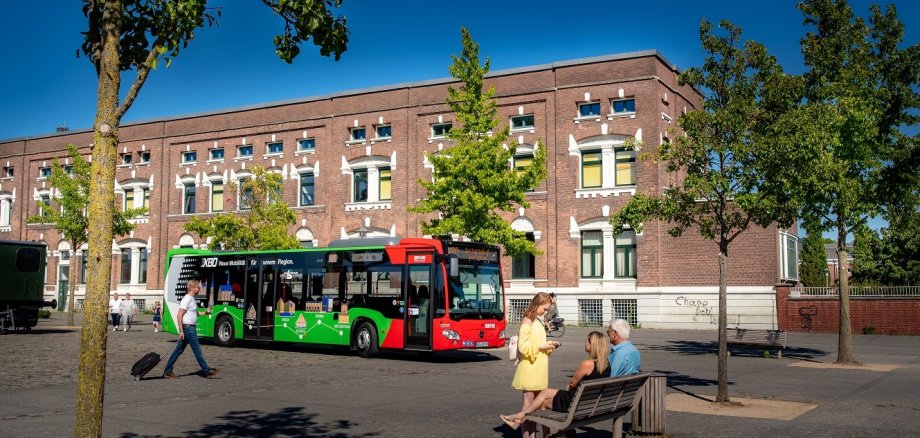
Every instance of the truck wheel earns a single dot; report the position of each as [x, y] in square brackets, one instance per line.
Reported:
[223, 332]
[366, 340]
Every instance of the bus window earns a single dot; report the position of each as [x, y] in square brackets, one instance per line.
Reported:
[386, 281]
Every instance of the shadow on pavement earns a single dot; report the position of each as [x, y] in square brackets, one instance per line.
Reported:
[290, 421]
[695, 348]
[450, 356]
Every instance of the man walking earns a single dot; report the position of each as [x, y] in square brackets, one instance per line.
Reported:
[128, 310]
[624, 358]
[188, 333]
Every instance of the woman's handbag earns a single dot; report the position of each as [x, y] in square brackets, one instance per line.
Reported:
[512, 348]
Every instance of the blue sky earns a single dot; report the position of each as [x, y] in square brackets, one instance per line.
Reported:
[44, 84]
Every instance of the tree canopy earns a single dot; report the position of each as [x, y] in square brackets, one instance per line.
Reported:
[723, 171]
[263, 227]
[474, 179]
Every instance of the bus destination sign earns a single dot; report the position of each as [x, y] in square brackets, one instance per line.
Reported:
[473, 253]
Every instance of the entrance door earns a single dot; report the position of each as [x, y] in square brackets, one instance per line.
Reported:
[261, 293]
[418, 290]
[63, 286]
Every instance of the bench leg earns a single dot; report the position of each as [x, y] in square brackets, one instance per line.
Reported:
[618, 427]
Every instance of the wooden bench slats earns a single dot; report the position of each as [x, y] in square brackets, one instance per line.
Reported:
[593, 401]
[753, 337]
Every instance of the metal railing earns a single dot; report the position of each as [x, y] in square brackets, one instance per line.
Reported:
[857, 292]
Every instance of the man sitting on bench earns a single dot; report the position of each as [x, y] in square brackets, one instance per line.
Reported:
[625, 359]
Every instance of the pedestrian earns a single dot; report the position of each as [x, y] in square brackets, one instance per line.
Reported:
[552, 313]
[595, 366]
[625, 359]
[157, 316]
[128, 310]
[532, 373]
[188, 332]
[115, 310]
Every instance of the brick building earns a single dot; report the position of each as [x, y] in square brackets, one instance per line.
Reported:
[350, 162]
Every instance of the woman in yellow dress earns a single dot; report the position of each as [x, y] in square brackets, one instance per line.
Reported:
[532, 373]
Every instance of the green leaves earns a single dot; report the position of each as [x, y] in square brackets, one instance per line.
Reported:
[264, 226]
[474, 179]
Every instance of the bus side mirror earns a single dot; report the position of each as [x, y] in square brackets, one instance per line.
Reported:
[453, 265]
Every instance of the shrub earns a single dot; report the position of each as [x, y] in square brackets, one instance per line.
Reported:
[44, 313]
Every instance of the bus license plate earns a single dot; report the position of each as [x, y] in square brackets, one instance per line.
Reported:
[480, 344]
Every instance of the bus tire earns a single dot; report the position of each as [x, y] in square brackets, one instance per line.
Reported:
[224, 335]
[366, 340]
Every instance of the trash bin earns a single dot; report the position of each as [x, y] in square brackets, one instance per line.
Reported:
[650, 413]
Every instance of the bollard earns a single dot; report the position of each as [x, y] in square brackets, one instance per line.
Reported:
[649, 415]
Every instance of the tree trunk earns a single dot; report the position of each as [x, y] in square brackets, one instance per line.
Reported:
[845, 338]
[722, 396]
[91, 379]
[72, 285]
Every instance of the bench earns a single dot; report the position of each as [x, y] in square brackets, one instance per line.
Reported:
[594, 400]
[757, 338]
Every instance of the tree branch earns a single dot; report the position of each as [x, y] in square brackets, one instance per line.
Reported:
[143, 70]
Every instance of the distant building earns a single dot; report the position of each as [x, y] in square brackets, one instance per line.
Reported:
[350, 162]
[833, 262]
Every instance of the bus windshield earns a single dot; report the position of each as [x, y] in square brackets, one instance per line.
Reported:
[476, 292]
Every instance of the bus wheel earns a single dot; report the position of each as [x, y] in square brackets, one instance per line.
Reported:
[366, 340]
[223, 332]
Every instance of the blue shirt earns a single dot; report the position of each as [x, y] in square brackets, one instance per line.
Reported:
[624, 359]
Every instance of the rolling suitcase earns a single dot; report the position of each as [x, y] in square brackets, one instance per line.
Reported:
[144, 365]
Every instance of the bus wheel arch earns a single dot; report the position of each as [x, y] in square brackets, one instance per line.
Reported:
[224, 331]
[365, 338]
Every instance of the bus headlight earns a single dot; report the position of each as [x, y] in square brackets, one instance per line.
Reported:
[450, 334]
[501, 335]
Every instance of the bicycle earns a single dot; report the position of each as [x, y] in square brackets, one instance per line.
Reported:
[555, 327]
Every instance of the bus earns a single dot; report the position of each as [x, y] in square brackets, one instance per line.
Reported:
[369, 294]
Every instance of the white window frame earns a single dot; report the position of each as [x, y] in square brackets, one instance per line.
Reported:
[351, 135]
[187, 154]
[212, 151]
[239, 152]
[614, 113]
[302, 141]
[377, 129]
[522, 117]
[580, 116]
[372, 165]
[784, 240]
[44, 172]
[449, 125]
[609, 145]
[268, 148]
[143, 157]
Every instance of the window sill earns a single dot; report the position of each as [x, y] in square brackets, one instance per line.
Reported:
[631, 115]
[382, 139]
[379, 205]
[305, 152]
[145, 163]
[246, 158]
[188, 163]
[604, 192]
[6, 178]
[274, 155]
[438, 138]
[215, 160]
[354, 142]
[516, 130]
[140, 220]
[596, 118]
[124, 166]
[6, 228]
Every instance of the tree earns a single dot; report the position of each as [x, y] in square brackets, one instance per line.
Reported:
[813, 269]
[891, 256]
[860, 90]
[70, 188]
[264, 227]
[474, 179]
[126, 35]
[721, 164]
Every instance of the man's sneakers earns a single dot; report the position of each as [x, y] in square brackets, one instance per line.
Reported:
[169, 375]
[212, 373]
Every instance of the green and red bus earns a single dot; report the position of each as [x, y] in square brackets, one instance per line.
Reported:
[368, 294]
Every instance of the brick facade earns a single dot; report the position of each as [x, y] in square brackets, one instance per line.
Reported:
[560, 208]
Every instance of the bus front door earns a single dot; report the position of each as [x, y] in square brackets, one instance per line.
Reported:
[261, 291]
[417, 295]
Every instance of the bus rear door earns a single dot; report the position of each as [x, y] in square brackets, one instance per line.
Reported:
[417, 296]
[261, 291]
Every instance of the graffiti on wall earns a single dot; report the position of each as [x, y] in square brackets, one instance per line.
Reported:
[703, 311]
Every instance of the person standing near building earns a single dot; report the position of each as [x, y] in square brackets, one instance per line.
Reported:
[115, 310]
[157, 316]
[625, 359]
[128, 310]
[188, 333]
[532, 373]
[553, 312]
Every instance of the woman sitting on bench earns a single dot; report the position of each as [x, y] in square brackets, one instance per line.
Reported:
[594, 367]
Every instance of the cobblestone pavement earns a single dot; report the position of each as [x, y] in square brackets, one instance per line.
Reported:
[282, 390]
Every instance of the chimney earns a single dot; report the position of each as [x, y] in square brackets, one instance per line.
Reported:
[62, 128]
